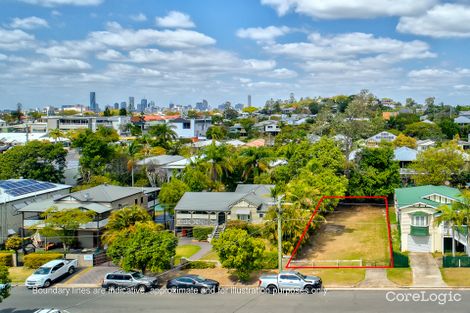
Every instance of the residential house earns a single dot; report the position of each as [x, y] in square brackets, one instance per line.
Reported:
[375, 140]
[248, 203]
[74, 122]
[269, 127]
[238, 130]
[463, 118]
[190, 128]
[405, 156]
[102, 200]
[2, 123]
[15, 194]
[416, 209]
[423, 145]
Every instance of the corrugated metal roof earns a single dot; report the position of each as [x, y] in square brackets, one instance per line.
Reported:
[405, 154]
[412, 195]
[42, 206]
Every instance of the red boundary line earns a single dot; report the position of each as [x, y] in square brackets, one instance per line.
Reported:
[391, 265]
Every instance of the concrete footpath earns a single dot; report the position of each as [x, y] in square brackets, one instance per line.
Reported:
[376, 278]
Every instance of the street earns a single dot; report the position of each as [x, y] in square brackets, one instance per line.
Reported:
[81, 300]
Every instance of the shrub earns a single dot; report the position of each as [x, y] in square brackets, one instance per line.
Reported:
[401, 259]
[35, 260]
[200, 265]
[252, 229]
[270, 260]
[202, 232]
[6, 259]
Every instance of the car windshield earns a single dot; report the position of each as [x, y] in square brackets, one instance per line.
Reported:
[43, 271]
[198, 278]
[301, 276]
[137, 275]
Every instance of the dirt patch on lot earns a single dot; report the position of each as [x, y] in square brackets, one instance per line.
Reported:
[350, 233]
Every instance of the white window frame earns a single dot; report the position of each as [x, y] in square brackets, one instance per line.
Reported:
[419, 221]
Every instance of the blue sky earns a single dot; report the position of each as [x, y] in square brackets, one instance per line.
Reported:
[54, 52]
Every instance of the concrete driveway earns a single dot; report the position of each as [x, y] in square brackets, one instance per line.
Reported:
[425, 270]
[376, 278]
[205, 247]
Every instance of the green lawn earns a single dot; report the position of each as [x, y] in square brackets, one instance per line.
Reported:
[185, 251]
[400, 276]
[211, 256]
[456, 277]
[343, 277]
[19, 274]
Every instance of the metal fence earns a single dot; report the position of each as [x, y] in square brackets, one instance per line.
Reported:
[456, 261]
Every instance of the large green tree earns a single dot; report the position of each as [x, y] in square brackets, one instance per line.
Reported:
[239, 251]
[145, 247]
[436, 166]
[375, 173]
[163, 135]
[35, 160]
[423, 130]
[172, 192]
[4, 283]
[64, 223]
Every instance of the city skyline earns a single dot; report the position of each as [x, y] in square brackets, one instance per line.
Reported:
[54, 52]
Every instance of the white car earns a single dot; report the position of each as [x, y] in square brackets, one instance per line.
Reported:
[50, 311]
[44, 276]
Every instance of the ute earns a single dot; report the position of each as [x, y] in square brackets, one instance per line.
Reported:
[288, 280]
[44, 276]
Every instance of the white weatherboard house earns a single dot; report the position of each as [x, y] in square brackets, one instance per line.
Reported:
[417, 208]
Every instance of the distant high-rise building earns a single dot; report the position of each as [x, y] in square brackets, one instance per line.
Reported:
[143, 105]
[116, 106]
[123, 105]
[93, 106]
[131, 104]
[249, 100]
[171, 105]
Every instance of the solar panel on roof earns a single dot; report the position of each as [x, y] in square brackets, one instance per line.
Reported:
[22, 187]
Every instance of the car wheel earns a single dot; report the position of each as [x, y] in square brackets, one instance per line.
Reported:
[309, 289]
[71, 270]
[141, 288]
[271, 289]
[47, 284]
[203, 290]
[111, 288]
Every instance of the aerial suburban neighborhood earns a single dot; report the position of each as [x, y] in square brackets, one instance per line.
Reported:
[239, 156]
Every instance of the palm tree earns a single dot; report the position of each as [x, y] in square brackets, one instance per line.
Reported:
[163, 134]
[452, 217]
[220, 161]
[132, 150]
[56, 134]
[123, 220]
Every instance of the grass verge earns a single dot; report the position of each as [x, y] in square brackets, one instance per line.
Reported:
[19, 274]
[456, 277]
[400, 276]
[341, 277]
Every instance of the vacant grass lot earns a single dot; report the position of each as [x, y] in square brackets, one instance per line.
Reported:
[338, 277]
[400, 276]
[456, 277]
[350, 233]
[19, 274]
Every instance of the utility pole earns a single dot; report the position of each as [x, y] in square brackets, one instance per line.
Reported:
[279, 232]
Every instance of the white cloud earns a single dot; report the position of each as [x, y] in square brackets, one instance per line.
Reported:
[58, 66]
[15, 39]
[175, 19]
[267, 34]
[139, 17]
[282, 73]
[353, 45]
[31, 22]
[52, 3]
[260, 65]
[110, 55]
[446, 20]
[116, 36]
[335, 9]
[55, 13]
[439, 73]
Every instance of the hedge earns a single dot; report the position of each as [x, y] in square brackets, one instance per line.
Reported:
[252, 229]
[401, 259]
[6, 259]
[200, 265]
[202, 232]
[35, 260]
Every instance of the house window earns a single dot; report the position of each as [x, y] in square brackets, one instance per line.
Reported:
[243, 217]
[186, 125]
[261, 215]
[136, 201]
[419, 220]
[141, 200]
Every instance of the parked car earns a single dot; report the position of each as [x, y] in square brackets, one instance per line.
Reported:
[289, 280]
[193, 283]
[129, 280]
[50, 311]
[51, 272]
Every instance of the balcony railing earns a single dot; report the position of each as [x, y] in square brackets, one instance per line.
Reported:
[39, 223]
[195, 222]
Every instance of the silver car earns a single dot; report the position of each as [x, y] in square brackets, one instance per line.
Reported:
[129, 280]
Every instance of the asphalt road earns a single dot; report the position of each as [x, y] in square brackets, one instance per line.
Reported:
[24, 301]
